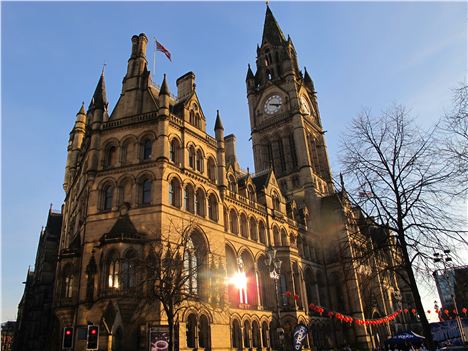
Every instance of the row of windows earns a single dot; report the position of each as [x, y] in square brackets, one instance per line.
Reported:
[108, 193]
[127, 152]
[194, 201]
[238, 225]
[278, 154]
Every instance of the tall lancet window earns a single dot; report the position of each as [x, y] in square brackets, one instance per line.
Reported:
[190, 268]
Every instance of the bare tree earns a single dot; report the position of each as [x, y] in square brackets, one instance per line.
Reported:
[455, 137]
[397, 188]
[178, 273]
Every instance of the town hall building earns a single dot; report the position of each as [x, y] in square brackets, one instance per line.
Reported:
[149, 171]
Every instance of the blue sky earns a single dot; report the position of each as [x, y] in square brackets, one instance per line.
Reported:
[359, 54]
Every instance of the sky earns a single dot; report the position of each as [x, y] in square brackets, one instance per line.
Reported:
[359, 54]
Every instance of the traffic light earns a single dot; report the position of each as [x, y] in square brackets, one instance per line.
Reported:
[67, 341]
[92, 337]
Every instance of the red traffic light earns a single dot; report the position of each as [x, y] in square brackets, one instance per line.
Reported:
[67, 341]
[93, 331]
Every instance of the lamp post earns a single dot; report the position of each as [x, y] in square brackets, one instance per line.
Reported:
[399, 299]
[445, 259]
[274, 265]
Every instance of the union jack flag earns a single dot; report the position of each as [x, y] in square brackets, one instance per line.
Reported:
[160, 47]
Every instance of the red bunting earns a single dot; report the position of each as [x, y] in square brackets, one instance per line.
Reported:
[350, 320]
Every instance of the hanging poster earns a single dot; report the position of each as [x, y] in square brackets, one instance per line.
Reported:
[159, 338]
[299, 336]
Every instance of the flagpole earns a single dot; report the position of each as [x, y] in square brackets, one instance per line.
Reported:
[154, 60]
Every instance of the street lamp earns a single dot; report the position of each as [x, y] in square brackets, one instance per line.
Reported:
[445, 259]
[274, 265]
[399, 300]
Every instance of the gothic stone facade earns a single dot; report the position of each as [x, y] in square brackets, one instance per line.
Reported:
[150, 165]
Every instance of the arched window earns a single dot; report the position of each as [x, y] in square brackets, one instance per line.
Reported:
[113, 272]
[281, 155]
[197, 120]
[191, 331]
[146, 192]
[233, 222]
[232, 184]
[256, 335]
[192, 157]
[174, 192]
[124, 153]
[192, 117]
[174, 151]
[211, 169]
[243, 226]
[284, 238]
[199, 161]
[111, 156]
[213, 207]
[200, 203]
[147, 148]
[251, 194]
[68, 279]
[246, 334]
[262, 233]
[265, 335]
[253, 229]
[191, 268]
[276, 237]
[276, 202]
[236, 335]
[128, 275]
[107, 196]
[189, 198]
[292, 150]
[204, 333]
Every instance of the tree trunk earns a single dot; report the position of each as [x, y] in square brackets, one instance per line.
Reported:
[170, 319]
[417, 298]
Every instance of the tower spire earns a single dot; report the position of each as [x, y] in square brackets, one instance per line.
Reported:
[271, 30]
[99, 100]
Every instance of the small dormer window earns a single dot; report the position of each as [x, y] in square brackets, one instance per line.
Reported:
[192, 117]
[276, 202]
[232, 184]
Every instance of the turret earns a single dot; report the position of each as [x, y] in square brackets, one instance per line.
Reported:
[220, 152]
[163, 116]
[136, 63]
[250, 80]
[74, 145]
[97, 113]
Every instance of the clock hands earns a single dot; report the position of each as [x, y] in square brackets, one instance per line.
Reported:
[274, 104]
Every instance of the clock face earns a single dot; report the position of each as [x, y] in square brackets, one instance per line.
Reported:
[273, 104]
[305, 105]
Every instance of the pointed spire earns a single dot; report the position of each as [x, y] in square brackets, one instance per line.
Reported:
[218, 123]
[271, 30]
[82, 110]
[308, 81]
[99, 100]
[164, 88]
[250, 74]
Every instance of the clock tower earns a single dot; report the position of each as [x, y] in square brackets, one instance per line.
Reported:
[287, 134]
